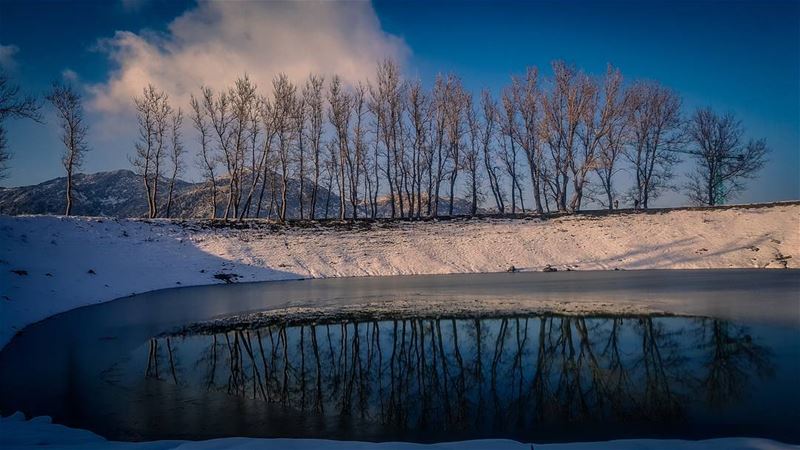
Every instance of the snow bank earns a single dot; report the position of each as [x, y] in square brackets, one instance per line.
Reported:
[40, 433]
[52, 264]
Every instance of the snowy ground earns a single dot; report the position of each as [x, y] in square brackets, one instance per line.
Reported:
[38, 433]
[52, 264]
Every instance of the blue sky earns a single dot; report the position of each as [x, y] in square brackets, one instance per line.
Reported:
[737, 56]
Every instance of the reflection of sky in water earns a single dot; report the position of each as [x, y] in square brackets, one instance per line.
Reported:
[530, 378]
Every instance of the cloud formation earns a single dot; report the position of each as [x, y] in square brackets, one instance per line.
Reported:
[7, 53]
[216, 42]
[69, 75]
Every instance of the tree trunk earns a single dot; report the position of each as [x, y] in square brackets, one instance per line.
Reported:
[169, 195]
[69, 192]
[214, 198]
[474, 208]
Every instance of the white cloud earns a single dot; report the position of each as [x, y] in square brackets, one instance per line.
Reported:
[69, 75]
[7, 53]
[216, 42]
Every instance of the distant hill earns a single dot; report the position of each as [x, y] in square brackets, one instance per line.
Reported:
[118, 193]
[121, 193]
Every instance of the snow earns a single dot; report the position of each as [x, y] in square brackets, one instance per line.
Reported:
[51, 264]
[72, 262]
[39, 433]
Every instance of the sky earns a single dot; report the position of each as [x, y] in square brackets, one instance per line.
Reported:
[735, 56]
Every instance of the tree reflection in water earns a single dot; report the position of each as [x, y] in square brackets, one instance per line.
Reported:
[481, 374]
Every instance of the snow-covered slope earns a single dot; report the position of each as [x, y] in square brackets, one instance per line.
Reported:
[53, 264]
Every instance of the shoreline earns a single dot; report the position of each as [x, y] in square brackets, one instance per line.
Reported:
[51, 264]
[40, 433]
[71, 263]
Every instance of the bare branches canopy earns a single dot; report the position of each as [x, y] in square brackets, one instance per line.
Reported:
[724, 160]
[13, 105]
[153, 113]
[392, 147]
[388, 146]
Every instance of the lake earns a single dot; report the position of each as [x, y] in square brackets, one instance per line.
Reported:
[663, 354]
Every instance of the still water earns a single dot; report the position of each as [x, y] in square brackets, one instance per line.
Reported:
[530, 377]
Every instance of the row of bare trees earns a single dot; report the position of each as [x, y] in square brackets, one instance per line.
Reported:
[159, 139]
[394, 147]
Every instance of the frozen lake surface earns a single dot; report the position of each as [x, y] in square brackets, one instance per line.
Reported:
[665, 354]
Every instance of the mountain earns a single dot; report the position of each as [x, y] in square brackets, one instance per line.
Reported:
[118, 193]
[121, 193]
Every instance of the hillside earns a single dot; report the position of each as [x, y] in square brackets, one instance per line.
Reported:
[121, 193]
[52, 264]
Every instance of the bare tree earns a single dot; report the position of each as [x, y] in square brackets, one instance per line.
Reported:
[13, 105]
[272, 122]
[723, 160]
[370, 162]
[526, 97]
[232, 116]
[152, 112]
[69, 109]
[258, 150]
[386, 103]
[655, 137]
[418, 106]
[487, 137]
[612, 144]
[286, 105]
[359, 140]
[300, 152]
[509, 150]
[243, 114]
[472, 155]
[216, 108]
[440, 98]
[312, 99]
[373, 174]
[563, 111]
[455, 131]
[207, 160]
[339, 114]
[175, 154]
[603, 111]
